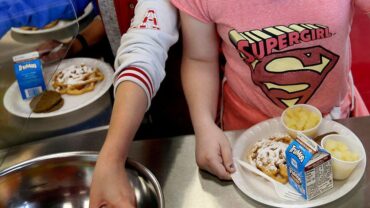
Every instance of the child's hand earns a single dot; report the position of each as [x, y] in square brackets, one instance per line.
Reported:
[110, 186]
[213, 152]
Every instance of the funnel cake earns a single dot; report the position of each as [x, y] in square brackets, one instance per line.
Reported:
[48, 26]
[77, 79]
[268, 155]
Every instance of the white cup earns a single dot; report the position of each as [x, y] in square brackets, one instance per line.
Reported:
[342, 169]
[312, 132]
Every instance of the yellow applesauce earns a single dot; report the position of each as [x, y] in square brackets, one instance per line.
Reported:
[301, 118]
[340, 151]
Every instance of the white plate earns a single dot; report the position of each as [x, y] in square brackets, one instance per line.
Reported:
[262, 191]
[14, 103]
[60, 25]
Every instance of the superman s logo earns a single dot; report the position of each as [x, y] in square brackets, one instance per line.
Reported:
[292, 77]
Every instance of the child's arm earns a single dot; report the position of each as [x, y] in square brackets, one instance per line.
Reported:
[110, 183]
[200, 77]
[140, 65]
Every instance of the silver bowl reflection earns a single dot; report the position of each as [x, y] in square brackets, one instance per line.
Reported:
[63, 180]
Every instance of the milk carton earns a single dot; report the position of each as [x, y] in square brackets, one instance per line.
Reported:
[28, 71]
[309, 167]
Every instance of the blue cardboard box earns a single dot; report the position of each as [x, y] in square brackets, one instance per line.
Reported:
[309, 167]
[28, 71]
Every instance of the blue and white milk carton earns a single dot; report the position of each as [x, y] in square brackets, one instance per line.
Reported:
[28, 71]
[309, 167]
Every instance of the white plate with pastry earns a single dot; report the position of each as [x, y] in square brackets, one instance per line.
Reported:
[262, 191]
[92, 77]
[55, 25]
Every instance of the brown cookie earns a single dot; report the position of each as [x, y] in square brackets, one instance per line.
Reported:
[56, 107]
[45, 101]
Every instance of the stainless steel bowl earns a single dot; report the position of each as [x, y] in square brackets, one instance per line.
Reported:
[63, 180]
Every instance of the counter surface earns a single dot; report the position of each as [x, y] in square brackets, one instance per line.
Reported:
[173, 163]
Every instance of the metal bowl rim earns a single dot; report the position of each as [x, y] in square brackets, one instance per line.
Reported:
[138, 166]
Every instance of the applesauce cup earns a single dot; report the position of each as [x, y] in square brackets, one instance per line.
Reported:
[342, 169]
[311, 132]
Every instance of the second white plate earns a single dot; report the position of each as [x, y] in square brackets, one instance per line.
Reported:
[262, 191]
[60, 25]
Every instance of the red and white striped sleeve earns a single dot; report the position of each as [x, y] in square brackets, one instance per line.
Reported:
[138, 76]
[143, 51]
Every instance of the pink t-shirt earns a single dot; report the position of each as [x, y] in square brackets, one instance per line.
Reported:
[281, 53]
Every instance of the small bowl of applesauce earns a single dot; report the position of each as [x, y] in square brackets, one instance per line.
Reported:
[301, 118]
[345, 152]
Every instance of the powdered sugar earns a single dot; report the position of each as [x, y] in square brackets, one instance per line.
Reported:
[74, 74]
[270, 153]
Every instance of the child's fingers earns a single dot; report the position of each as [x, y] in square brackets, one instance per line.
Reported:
[219, 170]
[227, 158]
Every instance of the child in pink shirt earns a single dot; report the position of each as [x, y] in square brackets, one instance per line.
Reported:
[278, 53]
